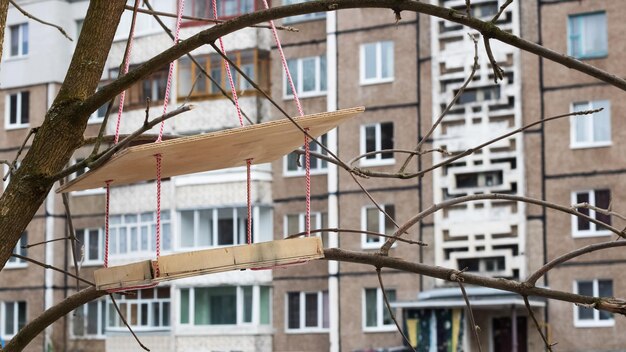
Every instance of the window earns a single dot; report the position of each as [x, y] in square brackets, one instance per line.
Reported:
[152, 87]
[90, 246]
[376, 316]
[591, 131]
[132, 233]
[12, 318]
[17, 110]
[193, 83]
[296, 223]
[225, 305]
[19, 39]
[317, 165]
[375, 220]
[479, 179]
[587, 35]
[377, 62]
[308, 75]
[149, 309]
[225, 9]
[374, 138]
[589, 317]
[488, 265]
[89, 320]
[307, 311]
[14, 262]
[479, 94]
[599, 198]
[302, 18]
[216, 227]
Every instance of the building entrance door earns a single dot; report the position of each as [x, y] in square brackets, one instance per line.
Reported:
[502, 340]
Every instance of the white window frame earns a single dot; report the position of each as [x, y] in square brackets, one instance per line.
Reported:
[590, 125]
[302, 18]
[593, 231]
[7, 111]
[320, 169]
[378, 159]
[596, 322]
[380, 310]
[102, 322]
[379, 78]
[17, 263]
[585, 55]
[237, 240]
[303, 329]
[85, 247]
[298, 75]
[115, 242]
[3, 307]
[122, 302]
[316, 223]
[382, 220]
[256, 308]
[20, 44]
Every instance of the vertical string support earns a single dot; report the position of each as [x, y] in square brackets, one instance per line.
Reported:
[106, 225]
[249, 195]
[158, 210]
[307, 175]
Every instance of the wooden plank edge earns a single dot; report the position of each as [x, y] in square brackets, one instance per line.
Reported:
[67, 186]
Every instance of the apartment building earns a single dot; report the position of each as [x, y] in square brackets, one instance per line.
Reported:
[405, 74]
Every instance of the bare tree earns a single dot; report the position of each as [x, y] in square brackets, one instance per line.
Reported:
[62, 133]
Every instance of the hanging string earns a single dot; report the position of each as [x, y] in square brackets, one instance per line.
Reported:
[158, 211]
[249, 192]
[307, 176]
[106, 225]
[301, 112]
[168, 87]
[233, 91]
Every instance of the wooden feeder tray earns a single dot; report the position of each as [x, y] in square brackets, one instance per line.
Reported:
[262, 143]
[180, 265]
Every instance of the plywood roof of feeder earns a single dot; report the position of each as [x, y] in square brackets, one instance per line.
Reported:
[263, 143]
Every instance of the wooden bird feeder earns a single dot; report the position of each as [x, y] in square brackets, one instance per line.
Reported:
[262, 143]
[180, 265]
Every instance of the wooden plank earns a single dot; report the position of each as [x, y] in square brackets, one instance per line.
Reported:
[258, 255]
[124, 276]
[262, 143]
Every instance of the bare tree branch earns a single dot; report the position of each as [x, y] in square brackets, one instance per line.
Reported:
[153, 12]
[342, 230]
[35, 18]
[119, 312]
[475, 327]
[13, 165]
[532, 279]
[48, 266]
[390, 310]
[547, 344]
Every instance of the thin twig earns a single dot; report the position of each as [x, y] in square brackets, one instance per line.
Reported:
[13, 165]
[498, 72]
[393, 316]
[603, 211]
[532, 315]
[207, 20]
[501, 11]
[143, 138]
[27, 14]
[342, 230]
[493, 196]
[532, 279]
[71, 230]
[468, 8]
[95, 161]
[48, 266]
[119, 312]
[497, 139]
[26, 246]
[403, 151]
[448, 107]
[459, 279]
